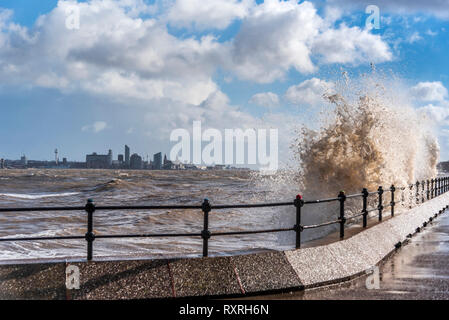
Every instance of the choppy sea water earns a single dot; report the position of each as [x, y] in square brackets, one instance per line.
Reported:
[27, 188]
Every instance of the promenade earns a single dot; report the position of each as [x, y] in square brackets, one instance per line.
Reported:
[418, 270]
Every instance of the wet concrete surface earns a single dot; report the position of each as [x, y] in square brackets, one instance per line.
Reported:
[418, 270]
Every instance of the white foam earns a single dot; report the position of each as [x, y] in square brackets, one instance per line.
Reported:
[37, 196]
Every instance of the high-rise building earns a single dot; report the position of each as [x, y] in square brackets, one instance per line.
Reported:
[2, 164]
[127, 159]
[110, 157]
[157, 161]
[23, 160]
[120, 158]
[136, 162]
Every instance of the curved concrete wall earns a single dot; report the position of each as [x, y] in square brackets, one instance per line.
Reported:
[219, 276]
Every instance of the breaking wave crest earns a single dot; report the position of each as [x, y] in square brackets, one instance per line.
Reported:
[368, 134]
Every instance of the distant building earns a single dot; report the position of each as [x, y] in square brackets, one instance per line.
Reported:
[99, 161]
[157, 161]
[136, 162]
[64, 161]
[127, 158]
[23, 161]
[120, 158]
[2, 163]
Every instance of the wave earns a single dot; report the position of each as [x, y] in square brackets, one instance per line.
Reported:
[114, 184]
[368, 134]
[37, 196]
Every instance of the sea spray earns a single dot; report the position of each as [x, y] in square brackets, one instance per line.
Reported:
[367, 135]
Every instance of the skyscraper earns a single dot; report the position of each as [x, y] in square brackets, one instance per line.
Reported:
[110, 157]
[157, 161]
[127, 156]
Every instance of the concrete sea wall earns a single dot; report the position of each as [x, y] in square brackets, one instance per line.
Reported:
[267, 272]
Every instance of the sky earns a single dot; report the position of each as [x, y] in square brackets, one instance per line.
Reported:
[132, 71]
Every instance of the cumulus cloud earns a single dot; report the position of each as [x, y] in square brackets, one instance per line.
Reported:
[352, 46]
[116, 52]
[281, 35]
[112, 52]
[437, 113]
[211, 14]
[309, 91]
[96, 127]
[265, 99]
[430, 91]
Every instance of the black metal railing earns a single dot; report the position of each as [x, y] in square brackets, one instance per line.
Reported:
[435, 187]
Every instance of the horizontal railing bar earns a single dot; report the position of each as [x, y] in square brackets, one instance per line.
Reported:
[162, 207]
[154, 235]
[354, 195]
[41, 238]
[41, 209]
[356, 216]
[321, 200]
[250, 232]
[256, 205]
[321, 224]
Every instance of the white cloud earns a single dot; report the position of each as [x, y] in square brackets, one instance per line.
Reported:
[353, 46]
[113, 53]
[265, 99]
[430, 91]
[431, 33]
[438, 114]
[309, 91]
[281, 35]
[414, 37]
[96, 127]
[210, 14]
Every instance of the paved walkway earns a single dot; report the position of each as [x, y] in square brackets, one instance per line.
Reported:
[419, 270]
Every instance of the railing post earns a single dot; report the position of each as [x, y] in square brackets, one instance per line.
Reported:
[342, 199]
[299, 203]
[442, 184]
[417, 192]
[90, 236]
[432, 188]
[445, 185]
[392, 203]
[380, 206]
[422, 189]
[205, 234]
[365, 204]
[428, 191]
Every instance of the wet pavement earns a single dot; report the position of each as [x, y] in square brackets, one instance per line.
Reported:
[418, 270]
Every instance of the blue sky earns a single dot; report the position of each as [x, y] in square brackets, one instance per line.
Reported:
[135, 70]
